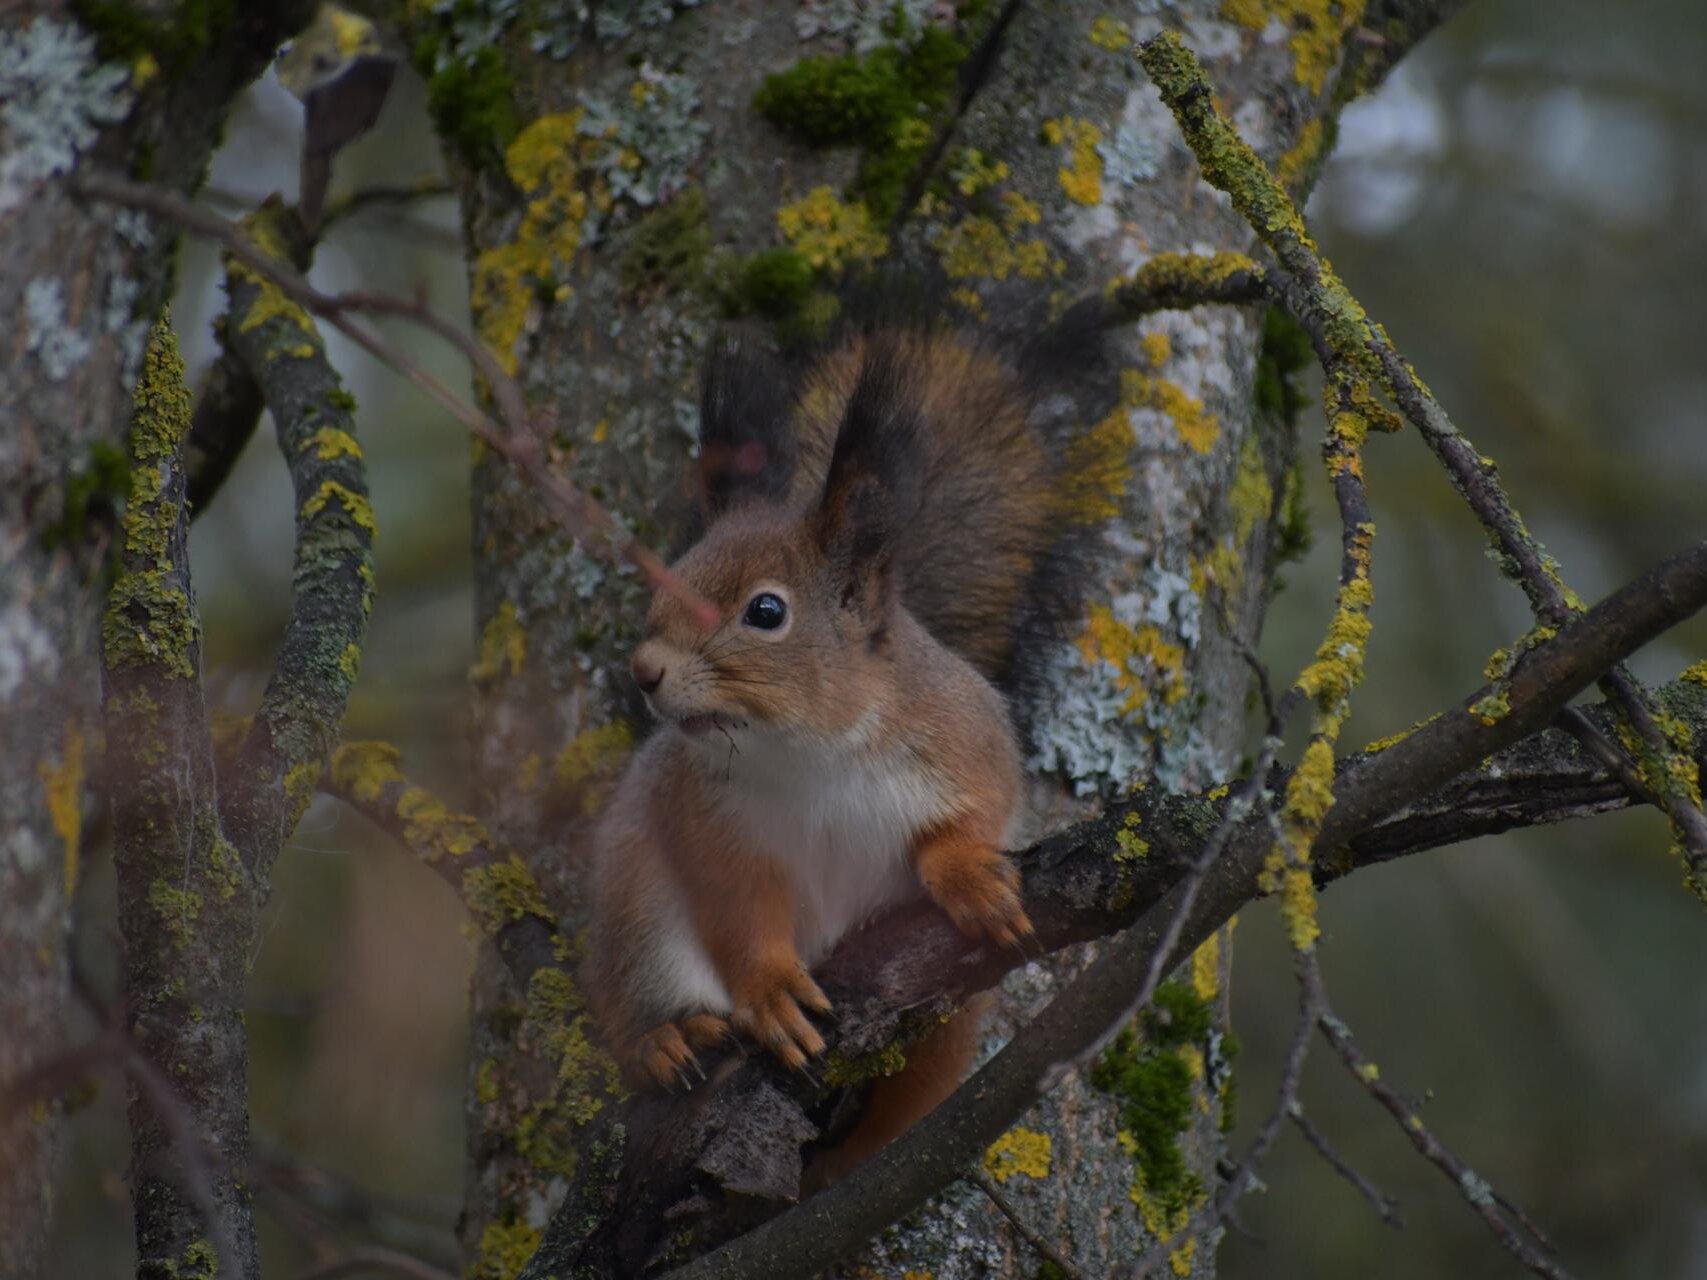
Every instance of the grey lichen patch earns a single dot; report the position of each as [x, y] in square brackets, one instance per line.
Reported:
[48, 334]
[652, 133]
[55, 95]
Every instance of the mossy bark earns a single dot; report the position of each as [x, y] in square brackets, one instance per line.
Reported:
[59, 426]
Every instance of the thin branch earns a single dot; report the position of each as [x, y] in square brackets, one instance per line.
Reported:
[1385, 1206]
[271, 779]
[495, 886]
[1475, 1189]
[1009, 1210]
[521, 442]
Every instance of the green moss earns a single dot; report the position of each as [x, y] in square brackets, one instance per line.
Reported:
[177, 910]
[878, 101]
[669, 246]
[125, 31]
[93, 491]
[471, 99]
[1285, 355]
[775, 284]
[1152, 1081]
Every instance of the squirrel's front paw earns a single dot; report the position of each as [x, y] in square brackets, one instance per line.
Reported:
[978, 888]
[769, 1008]
[665, 1055]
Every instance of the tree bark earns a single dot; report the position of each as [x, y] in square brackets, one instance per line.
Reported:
[86, 282]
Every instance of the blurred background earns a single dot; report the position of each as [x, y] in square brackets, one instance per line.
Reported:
[1522, 204]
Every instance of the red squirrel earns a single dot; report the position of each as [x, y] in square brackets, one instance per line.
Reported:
[836, 745]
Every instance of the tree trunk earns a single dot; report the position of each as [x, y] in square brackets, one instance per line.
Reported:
[620, 191]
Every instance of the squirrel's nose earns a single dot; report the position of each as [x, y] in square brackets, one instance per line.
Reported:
[648, 672]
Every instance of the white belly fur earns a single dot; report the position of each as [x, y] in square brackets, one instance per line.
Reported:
[841, 817]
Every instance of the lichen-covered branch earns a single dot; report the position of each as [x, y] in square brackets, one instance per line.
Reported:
[229, 403]
[267, 264]
[1361, 359]
[494, 885]
[186, 904]
[274, 774]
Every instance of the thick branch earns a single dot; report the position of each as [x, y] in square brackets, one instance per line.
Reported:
[185, 905]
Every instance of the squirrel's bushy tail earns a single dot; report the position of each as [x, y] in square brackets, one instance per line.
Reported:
[968, 437]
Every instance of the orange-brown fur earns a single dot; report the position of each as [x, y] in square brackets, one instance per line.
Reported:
[809, 775]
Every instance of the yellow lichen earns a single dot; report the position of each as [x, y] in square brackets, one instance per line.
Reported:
[1157, 347]
[1206, 968]
[830, 233]
[62, 789]
[1143, 660]
[357, 507]
[1301, 155]
[503, 644]
[1180, 1259]
[1111, 34]
[1319, 30]
[1018, 1151]
[1081, 178]
[974, 172]
[1695, 673]
[362, 770]
[1369, 1073]
[1249, 502]
[544, 162]
[332, 442]
[590, 758]
[505, 1248]
[499, 893]
[436, 831]
[1129, 845]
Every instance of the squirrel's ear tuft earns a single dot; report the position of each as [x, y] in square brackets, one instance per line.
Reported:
[871, 489]
[747, 448]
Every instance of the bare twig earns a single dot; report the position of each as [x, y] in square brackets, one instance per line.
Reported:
[1009, 1210]
[1384, 1205]
[1475, 1189]
[522, 444]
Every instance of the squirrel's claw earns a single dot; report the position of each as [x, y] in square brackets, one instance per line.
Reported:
[771, 1014]
[665, 1055]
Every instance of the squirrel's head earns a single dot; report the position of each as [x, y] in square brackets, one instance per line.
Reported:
[805, 598]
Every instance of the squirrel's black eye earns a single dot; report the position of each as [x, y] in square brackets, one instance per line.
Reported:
[765, 611]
